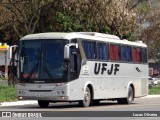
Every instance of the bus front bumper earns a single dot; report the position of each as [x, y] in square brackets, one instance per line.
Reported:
[53, 98]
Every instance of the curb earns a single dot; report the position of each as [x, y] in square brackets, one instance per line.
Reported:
[151, 96]
[28, 102]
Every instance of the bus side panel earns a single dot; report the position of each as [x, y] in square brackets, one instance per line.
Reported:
[102, 84]
[140, 77]
[141, 81]
[122, 79]
[75, 89]
[112, 80]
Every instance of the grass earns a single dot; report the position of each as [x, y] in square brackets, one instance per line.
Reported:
[155, 90]
[7, 94]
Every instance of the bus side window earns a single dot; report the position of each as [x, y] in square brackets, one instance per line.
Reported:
[118, 53]
[129, 53]
[144, 55]
[139, 55]
[115, 53]
[100, 51]
[106, 51]
[126, 53]
[90, 49]
[136, 52]
[75, 62]
[73, 56]
[94, 49]
[112, 52]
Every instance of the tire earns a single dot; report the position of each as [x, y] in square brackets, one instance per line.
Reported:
[120, 100]
[129, 98]
[43, 104]
[95, 102]
[87, 98]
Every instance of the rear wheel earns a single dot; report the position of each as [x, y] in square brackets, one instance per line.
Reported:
[129, 98]
[43, 104]
[87, 98]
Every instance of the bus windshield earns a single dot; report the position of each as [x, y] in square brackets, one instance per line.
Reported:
[42, 60]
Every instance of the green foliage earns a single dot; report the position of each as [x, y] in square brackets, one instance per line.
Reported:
[65, 20]
[7, 93]
[154, 90]
[72, 22]
[28, 16]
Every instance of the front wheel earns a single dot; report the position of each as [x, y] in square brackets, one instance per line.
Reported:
[129, 98]
[87, 98]
[43, 104]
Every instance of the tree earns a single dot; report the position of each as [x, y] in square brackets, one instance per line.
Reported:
[117, 17]
[150, 32]
[24, 14]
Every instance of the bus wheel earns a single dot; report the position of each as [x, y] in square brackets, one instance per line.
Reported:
[43, 104]
[87, 98]
[129, 98]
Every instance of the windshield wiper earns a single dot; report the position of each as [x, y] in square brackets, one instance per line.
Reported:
[32, 71]
[47, 71]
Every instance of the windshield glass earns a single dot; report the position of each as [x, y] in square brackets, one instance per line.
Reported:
[42, 60]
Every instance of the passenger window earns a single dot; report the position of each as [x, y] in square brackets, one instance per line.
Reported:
[102, 50]
[144, 55]
[115, 53]
[126, 53]
[89, 49]
[136, 52]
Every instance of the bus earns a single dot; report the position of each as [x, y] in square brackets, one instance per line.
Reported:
[83, 67]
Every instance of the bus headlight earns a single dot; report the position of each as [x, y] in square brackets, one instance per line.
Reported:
[21, 92]
[60, 92]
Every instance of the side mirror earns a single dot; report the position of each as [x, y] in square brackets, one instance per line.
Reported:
[67, 50]
[11, 49]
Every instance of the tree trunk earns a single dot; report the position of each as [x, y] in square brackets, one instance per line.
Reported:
[6, 66]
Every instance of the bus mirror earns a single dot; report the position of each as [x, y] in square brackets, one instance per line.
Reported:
[77, 45]
[11, 50]
[67, 50]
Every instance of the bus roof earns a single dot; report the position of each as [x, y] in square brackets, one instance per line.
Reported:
[83, 35]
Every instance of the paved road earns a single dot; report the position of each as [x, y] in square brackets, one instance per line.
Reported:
[140, 104]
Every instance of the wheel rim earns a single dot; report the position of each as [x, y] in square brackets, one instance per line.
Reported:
[130, 95]
[87, 97]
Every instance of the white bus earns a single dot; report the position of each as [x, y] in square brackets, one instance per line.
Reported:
[84, 67]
